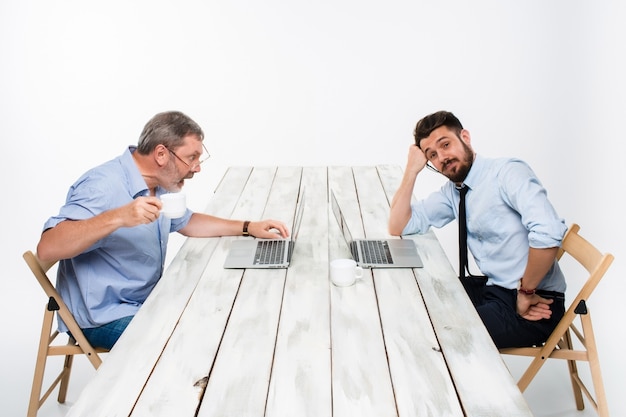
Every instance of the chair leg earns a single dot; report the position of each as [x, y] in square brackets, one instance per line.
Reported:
[594, 366]
[67, 370]
[538, 361]
[65, 380]
[530, 373]
[40, 366]
[573, 372]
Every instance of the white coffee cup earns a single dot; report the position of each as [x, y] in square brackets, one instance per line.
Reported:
[174, 205]
[344, 272]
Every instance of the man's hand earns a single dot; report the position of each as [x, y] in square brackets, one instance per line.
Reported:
[142, 210]
[400, 210]
[267, 229]
[533, 307]
[416, 160]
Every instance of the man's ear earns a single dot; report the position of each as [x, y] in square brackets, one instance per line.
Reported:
[161, 155]
[466, 137]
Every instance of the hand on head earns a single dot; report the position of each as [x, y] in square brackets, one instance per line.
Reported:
[416, 160]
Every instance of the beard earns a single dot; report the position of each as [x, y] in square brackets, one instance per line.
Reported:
[462, 169]
[176, 184]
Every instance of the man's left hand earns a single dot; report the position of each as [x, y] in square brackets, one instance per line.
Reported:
[533, 307]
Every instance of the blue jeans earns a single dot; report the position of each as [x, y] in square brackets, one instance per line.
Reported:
[106, 336]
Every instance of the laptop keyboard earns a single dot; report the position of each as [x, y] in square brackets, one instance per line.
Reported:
[376, 252]
[269, 252]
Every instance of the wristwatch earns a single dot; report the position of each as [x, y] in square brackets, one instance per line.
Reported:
[245, 228]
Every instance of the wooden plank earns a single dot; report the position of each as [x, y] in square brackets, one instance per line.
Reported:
[360, 374]
[481, 378]
[130, 362]
[265, 336]
[177, 382]
[300, 381]
[238, 383]
[420, 376]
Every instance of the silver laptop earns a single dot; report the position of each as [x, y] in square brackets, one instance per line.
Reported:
[265, 253]
[377, 253]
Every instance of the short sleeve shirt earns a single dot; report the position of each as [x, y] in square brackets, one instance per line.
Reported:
[113, 278]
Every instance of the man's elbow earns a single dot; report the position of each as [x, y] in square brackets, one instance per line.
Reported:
[395, 230]
[44, 254]
[398, 220]
[45, 249]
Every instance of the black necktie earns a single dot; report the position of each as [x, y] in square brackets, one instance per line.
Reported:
[462, 232]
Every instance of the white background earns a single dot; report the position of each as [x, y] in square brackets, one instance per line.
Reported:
[311, 83]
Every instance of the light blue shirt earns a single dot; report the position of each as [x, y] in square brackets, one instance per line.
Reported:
[507, 212]
[113, 278]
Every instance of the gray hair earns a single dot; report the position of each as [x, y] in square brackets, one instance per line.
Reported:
[167, 128]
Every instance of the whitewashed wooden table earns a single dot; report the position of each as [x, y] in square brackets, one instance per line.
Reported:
[234, 343]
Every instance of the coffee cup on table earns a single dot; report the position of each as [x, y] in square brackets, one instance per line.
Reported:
[344, 272]
[174, 205]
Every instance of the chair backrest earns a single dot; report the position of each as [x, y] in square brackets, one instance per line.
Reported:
[40, 270]
[55, 302]
[589, 257]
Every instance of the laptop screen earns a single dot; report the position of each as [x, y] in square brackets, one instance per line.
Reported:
[341, 221]
[298, 219]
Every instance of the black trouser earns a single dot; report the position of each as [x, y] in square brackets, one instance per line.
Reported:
[497, 307]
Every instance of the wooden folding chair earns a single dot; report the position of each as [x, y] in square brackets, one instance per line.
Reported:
[76, 345]
[559, 345]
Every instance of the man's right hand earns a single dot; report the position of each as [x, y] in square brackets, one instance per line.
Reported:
[416, 160]
[142, 210]
[400, 210]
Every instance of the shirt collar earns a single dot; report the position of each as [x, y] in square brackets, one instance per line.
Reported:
[476, 172]
[137, 183]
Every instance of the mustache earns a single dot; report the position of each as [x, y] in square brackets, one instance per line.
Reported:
[445, 163]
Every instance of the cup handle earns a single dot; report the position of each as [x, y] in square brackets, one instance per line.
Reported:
[358, 272]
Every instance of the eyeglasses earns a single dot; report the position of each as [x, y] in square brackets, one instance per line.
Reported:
[432, 168]
[193, 165]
